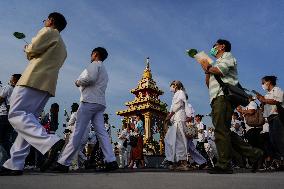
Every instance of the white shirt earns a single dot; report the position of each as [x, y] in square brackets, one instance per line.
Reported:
[251, 106]
[93, 83]
[72, 121]
[201, 136]
[211, 136]
[6, 93]
[190, 112]
[178, 106]
[276, 94]
[240, 130]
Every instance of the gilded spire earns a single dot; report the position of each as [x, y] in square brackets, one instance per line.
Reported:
[147, 72]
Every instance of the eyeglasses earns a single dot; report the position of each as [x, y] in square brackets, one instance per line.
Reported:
[47, 19]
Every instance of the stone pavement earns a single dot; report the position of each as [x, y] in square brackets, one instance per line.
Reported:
[143, 179]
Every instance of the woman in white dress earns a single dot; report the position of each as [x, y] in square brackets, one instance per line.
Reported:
[175, 140]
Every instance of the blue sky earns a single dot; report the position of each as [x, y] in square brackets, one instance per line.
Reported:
[161, 30]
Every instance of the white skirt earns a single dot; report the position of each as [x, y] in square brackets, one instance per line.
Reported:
[176, 142]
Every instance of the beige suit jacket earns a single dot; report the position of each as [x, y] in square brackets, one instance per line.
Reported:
[46, 54]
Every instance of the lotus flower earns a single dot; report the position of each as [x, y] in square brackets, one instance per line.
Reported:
[20, 35]
[191, 52]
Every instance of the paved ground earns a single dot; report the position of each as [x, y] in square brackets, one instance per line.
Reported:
[148, 179]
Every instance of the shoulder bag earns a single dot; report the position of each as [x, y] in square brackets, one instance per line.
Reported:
[256, 119]
[235, 93]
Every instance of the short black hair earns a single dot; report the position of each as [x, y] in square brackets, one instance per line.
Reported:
[226, 43]
[199, 116]
[106, 117]
[270, 78]
[17, 76]
[59, 20]
[103, 54]
[54, 105]
[74, 107]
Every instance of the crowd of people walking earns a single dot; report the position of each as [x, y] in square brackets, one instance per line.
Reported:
[246, 135]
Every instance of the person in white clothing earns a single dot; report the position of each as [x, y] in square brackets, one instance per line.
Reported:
[7, 133]
[273, 110]
[252, 133]
[123, 145]
[46, 55]
[175, 140]
[92, 84]
[192, 151]
[201, 137]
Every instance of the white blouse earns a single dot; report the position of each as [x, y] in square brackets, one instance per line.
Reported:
[179, 104]
[277, 94]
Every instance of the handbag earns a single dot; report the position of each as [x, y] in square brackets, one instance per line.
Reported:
[234, 93]
[256, 119]
[190, 130]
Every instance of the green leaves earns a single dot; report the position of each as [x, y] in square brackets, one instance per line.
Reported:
[19, 35]
[191, 52]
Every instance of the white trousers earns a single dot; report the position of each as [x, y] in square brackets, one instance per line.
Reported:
[88, 112]
[25, 107]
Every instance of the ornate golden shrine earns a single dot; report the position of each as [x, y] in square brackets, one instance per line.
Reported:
[153, 109]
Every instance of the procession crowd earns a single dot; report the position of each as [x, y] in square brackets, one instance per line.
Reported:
[247, 132]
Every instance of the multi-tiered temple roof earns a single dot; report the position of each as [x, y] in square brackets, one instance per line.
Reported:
[146, 96]
[147, 103]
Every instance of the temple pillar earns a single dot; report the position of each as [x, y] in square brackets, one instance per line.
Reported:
[148, 134]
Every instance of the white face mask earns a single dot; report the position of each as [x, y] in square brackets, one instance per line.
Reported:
[264, 87]
[172, 89]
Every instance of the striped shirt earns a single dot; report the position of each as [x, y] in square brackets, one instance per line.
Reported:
[227, 65]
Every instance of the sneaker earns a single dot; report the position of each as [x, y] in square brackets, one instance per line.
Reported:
[111, 166]
[52, 155]
[9, 172]
[218, 170]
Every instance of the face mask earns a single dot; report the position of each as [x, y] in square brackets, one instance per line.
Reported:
[264, 87]
[213, 51]
[172, 89]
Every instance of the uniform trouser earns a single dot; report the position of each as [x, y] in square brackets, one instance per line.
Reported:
[276, 135]
[195, 155]
[6, 133]
[6, 138]
[88, 112]
[25, 107]
[225, 140]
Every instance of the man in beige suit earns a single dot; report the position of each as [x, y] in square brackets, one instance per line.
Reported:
[46, 55]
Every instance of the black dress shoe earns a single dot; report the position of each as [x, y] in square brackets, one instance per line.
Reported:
[59, 168]
[257, 164]
[111, 166]
[52, 155]
[8, 172]
[218, 170]
[202, 166]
